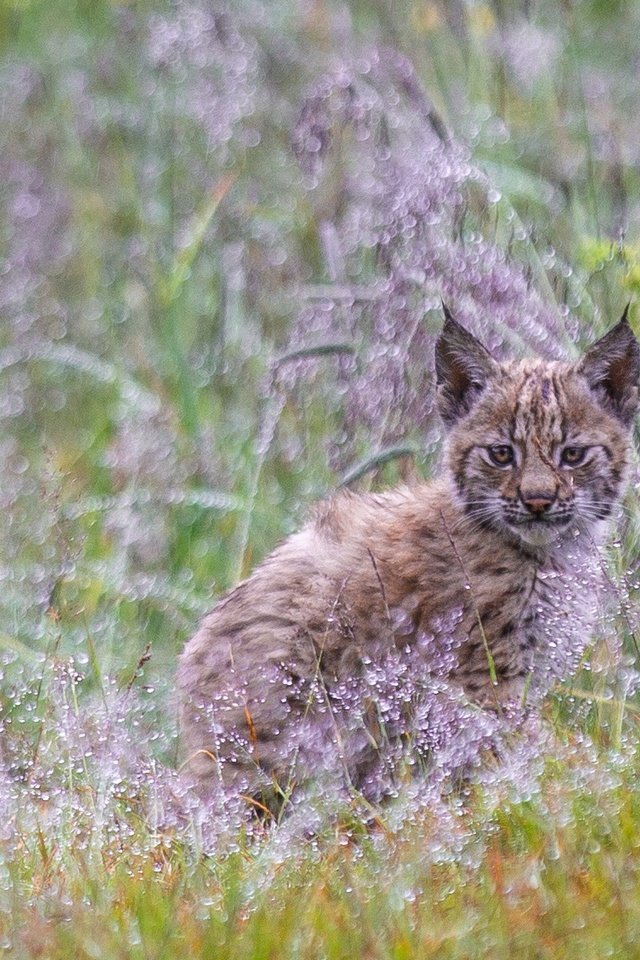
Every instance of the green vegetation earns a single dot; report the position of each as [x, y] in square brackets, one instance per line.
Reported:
[208, 323]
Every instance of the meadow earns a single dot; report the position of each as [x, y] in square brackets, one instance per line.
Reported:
[225, 233]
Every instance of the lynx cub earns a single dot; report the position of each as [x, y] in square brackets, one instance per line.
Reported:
[537, 456]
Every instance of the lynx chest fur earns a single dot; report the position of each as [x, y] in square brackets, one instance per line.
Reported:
[503, 548]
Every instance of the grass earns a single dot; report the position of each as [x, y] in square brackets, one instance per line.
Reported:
[190, 355]
[557, 874]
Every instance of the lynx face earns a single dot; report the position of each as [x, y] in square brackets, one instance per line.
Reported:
[538, 450]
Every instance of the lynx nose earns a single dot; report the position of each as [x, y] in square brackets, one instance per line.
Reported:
[538, 502]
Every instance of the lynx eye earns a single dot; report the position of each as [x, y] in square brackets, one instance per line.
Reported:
[501, 454]
[572, 456]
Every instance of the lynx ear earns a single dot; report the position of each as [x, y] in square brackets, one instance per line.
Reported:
[611, 367]
[463, 367]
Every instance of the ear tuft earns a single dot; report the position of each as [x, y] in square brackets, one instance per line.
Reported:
[463, 367]
[611, 367]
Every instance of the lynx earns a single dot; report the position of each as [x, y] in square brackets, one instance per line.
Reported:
[504, 543]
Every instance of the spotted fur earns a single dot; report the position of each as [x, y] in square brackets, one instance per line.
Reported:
[537, 457]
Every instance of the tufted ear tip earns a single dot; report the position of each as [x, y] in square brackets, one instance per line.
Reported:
[463, 367]
[448, 316]
[611, 367]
